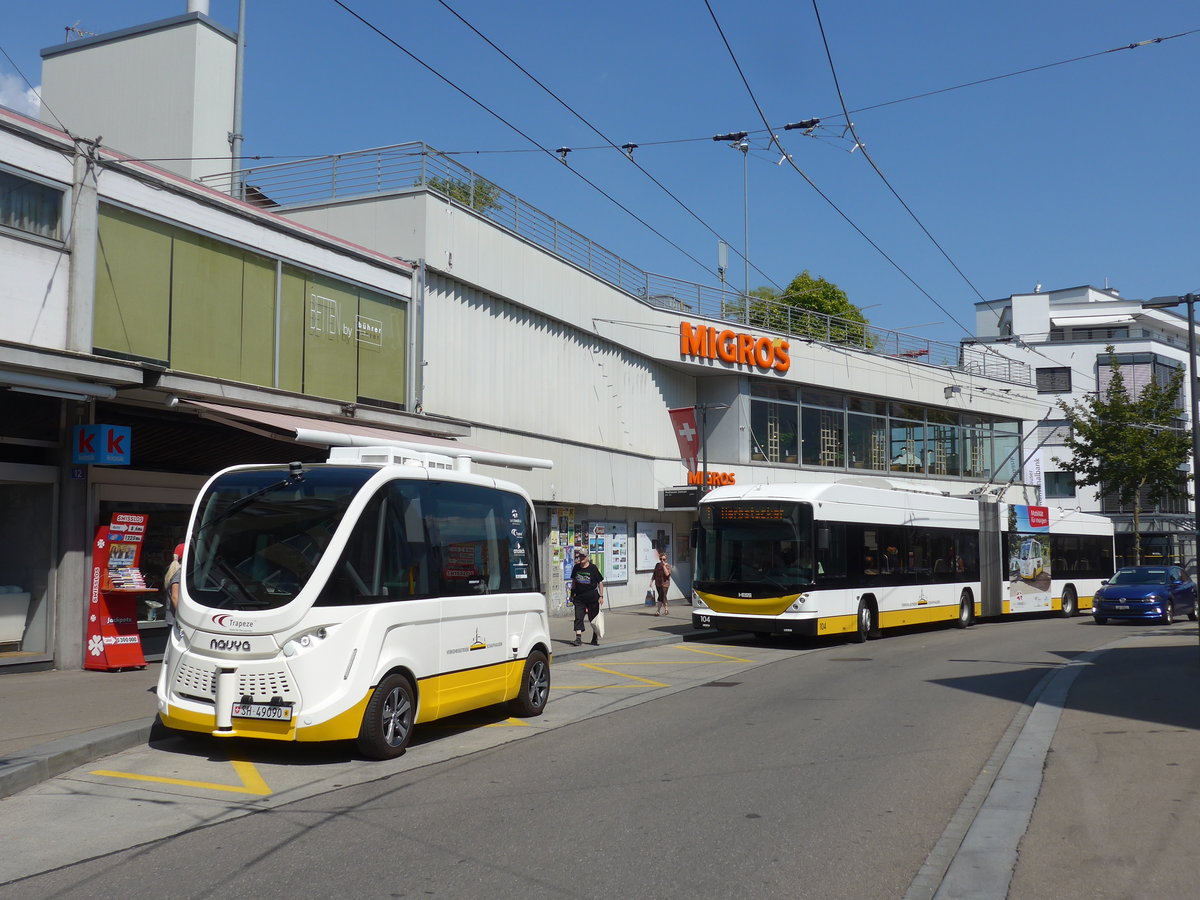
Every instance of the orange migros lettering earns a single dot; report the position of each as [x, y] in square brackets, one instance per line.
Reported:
[714, 478]
[738, 348]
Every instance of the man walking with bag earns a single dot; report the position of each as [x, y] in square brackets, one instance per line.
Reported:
[587, 593]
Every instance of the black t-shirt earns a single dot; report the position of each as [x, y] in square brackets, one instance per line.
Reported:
[585, 582]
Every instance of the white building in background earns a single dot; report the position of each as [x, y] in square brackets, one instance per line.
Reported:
[421, 303]
[1062, 335]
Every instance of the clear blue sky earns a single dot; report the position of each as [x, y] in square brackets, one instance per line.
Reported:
[1084, 173]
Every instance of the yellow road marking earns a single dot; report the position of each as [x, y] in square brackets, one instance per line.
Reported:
[597, 668]
[507, 722]
[252, 782]
[691, 649]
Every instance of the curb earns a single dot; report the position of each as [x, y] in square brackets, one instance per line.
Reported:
[31, 767]
[37, 764]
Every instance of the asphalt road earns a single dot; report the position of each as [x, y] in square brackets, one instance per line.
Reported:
[716, 770]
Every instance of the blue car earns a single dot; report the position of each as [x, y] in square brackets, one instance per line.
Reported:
[1158, 593]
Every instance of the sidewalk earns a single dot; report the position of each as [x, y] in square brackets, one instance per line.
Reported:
[53, 721]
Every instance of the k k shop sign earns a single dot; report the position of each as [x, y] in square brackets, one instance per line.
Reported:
[106, 445]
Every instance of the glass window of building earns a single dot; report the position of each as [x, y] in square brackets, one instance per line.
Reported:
[824, 432]
[867, 442]
[774, 431]
[30, 206]
[1054, 380]
[907, 452]
[1060, 484]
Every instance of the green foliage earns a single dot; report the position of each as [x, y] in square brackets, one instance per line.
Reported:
[483, 197]
[790, 311]
[1128, 445]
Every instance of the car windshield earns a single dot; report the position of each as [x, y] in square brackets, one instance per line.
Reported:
[1140, 576]
[259, 533]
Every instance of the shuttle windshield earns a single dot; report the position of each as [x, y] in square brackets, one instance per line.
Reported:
[259, 533]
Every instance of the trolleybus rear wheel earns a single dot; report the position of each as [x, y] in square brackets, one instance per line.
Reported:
[966, 610]
[1070, 604]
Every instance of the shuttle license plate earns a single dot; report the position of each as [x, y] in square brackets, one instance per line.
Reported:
[267, 711]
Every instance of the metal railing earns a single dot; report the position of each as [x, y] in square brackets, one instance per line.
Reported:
[415, 165]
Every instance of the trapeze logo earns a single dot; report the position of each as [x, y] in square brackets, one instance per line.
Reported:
[733, 347]
[224, 620]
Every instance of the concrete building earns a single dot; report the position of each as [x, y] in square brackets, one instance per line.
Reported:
[433, 308]
[1062, 335]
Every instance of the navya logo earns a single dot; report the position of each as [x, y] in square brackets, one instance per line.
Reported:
[223, 644]
[225, 620]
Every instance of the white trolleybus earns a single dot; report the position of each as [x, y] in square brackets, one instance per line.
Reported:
[355, 599]
[839, 558]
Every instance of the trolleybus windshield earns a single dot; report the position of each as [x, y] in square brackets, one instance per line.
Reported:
[259, 533]
[755, 548]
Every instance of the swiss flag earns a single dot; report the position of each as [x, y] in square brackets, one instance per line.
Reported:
[683, 420]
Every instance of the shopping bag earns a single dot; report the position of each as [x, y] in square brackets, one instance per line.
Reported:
[598, 623]
[651, 597]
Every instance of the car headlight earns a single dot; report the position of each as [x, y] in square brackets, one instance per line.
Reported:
[697, 603]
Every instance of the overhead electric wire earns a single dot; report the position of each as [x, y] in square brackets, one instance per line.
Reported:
[791, 162]
[604, 137]
[867, 156]
[527, 137]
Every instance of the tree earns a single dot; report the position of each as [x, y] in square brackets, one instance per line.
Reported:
[1132, 447]
[479, 194]
[789, 311]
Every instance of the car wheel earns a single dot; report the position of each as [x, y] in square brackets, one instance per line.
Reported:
[1192, 611]
[1168, 614]
[866, 622]
[1070, 603]
[387, 725]
[535, 687]
[1101, 620]
[966, 610]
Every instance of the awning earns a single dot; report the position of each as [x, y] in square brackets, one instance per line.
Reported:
[1122, 319]
[328, 433]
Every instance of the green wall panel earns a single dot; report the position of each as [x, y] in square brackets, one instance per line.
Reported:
[206, 307]
[293, 321]
[133, 283]
[330, 351]
[382, 348]
[258, 320]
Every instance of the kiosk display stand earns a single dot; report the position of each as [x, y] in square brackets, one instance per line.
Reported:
[117, 584]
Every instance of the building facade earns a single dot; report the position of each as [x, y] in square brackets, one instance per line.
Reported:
[1063, 336]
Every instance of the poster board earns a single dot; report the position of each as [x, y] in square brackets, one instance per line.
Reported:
[608, 546]
[649, 539]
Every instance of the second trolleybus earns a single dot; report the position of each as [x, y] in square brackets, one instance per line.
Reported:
[840, 558]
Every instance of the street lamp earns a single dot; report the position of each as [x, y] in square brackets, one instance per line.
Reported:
[1166, 303]
[738, 141]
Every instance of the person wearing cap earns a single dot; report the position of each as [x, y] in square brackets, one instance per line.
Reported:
[587, 593]
[171, 579]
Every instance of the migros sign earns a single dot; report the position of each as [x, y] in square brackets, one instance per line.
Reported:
[734, 347]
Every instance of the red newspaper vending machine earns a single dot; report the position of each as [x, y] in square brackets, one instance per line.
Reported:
[113, 641]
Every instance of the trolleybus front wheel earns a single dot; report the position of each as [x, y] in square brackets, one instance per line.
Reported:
[388, 722]
[866, 622]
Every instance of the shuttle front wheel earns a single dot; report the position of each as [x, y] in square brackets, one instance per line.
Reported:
[388, 722]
